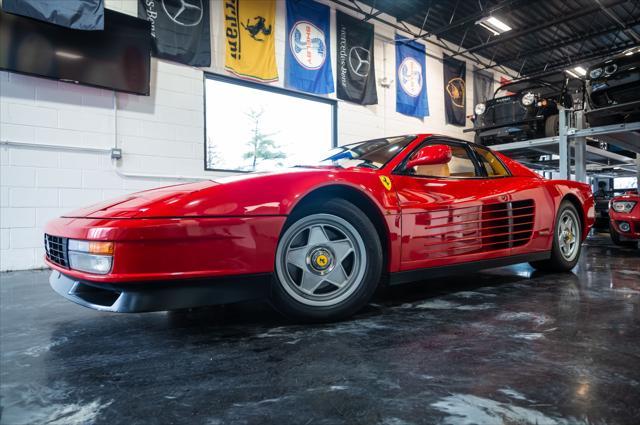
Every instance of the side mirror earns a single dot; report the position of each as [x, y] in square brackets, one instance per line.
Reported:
[431, 155]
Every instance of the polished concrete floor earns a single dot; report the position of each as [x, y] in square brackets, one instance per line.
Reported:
[506, 346]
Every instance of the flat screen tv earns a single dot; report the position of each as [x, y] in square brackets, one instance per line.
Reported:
[117, 58]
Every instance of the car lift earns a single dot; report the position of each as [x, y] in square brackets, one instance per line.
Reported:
[572, 139]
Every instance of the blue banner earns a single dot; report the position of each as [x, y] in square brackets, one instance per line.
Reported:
[411, 83]
[308, 59]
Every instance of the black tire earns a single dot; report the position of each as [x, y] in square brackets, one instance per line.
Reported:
[295, 303]
[551, 126]
[615, 236]
[558, 262]
[604, 120]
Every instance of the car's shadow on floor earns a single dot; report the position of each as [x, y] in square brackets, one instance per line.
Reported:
[261, 314]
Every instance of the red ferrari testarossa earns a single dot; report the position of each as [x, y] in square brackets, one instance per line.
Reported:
[318, 239]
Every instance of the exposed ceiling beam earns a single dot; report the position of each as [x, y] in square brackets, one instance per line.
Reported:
[404, 28]
[471, 18]
[564, 43]
[634, 35]
[553, 67]
[517, 34]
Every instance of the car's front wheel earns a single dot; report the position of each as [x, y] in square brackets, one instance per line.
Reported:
[328, 263]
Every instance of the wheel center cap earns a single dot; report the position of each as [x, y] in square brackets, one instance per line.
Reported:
[320, 259]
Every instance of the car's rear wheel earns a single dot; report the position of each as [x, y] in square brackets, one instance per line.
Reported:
[552, 126]
[567, 238]
[328, 263]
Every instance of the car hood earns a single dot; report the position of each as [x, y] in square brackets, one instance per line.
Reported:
[259, 193]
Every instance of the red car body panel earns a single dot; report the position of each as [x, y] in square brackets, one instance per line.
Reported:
[632, 217]
[231, 226]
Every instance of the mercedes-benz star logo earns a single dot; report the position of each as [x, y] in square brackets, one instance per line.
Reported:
[359, 61]
[187, 13]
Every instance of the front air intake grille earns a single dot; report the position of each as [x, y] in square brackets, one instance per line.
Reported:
[56, 248]
[504, 113]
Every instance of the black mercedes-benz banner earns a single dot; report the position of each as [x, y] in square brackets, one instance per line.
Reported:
[179, 29]
[76, 14]
[356, 71]
[455, 91]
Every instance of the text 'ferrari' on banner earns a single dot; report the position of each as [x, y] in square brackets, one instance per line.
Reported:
[180, 29]
[411, 83]
[250, 51]
[355, 61]
[308, 63]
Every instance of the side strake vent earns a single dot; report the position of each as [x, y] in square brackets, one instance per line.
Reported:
[477, 229]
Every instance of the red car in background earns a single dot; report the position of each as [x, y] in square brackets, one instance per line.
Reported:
[624, 217]
[317, 240]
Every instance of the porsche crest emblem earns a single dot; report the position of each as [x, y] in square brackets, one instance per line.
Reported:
[456, 90]
[386, 182]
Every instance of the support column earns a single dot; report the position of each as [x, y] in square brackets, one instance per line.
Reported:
[638, 173]
[563, 145]
[580, 149]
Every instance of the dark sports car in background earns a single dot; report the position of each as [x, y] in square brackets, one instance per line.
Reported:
[523, 110]
[613, 90]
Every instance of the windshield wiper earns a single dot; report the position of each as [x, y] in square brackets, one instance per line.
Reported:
[367, 165]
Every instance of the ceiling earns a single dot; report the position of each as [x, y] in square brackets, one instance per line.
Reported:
[546, 35]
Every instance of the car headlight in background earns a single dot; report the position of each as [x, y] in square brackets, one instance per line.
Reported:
[610, 69]
[528, 99]
[90, 256]
[623, 206]
[595, 73]
[480, 108]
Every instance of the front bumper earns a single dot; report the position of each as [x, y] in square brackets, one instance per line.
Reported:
[160, 296]
[633, 218]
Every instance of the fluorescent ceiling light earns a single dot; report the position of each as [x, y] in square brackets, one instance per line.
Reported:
[68, 55]
[493, 24]
[573, 74]
[580, 71]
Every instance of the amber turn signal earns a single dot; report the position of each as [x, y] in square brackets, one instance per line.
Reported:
[103, 248]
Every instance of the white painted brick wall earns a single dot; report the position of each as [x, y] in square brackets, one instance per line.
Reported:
[162, 134]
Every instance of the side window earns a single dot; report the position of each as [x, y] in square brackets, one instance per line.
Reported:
[491, 163]
[460, 166]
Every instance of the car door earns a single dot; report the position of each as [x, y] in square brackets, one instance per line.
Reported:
[457, 213]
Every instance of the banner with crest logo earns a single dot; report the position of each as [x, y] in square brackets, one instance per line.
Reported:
[455, 91]
[180, 29]
[250, 51]
[356, 78]
[411, 83]
[307, 60]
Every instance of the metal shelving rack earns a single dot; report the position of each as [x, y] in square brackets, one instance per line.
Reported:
[572, 148]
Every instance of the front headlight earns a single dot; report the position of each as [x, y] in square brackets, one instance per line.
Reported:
[90, 256]
[528, 99]
[480, 108]
[623, 206]
[595, 73]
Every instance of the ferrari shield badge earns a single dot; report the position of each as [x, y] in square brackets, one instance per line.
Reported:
[386, 182]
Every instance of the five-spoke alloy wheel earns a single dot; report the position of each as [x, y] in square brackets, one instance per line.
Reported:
[567, 240]
[328, 262]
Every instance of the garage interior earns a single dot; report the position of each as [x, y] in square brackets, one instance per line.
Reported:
[508, 345]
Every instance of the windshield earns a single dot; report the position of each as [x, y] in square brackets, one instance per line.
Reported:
[368, 154]
[540, 88]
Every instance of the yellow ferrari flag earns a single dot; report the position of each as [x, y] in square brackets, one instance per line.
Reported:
[250, 34]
